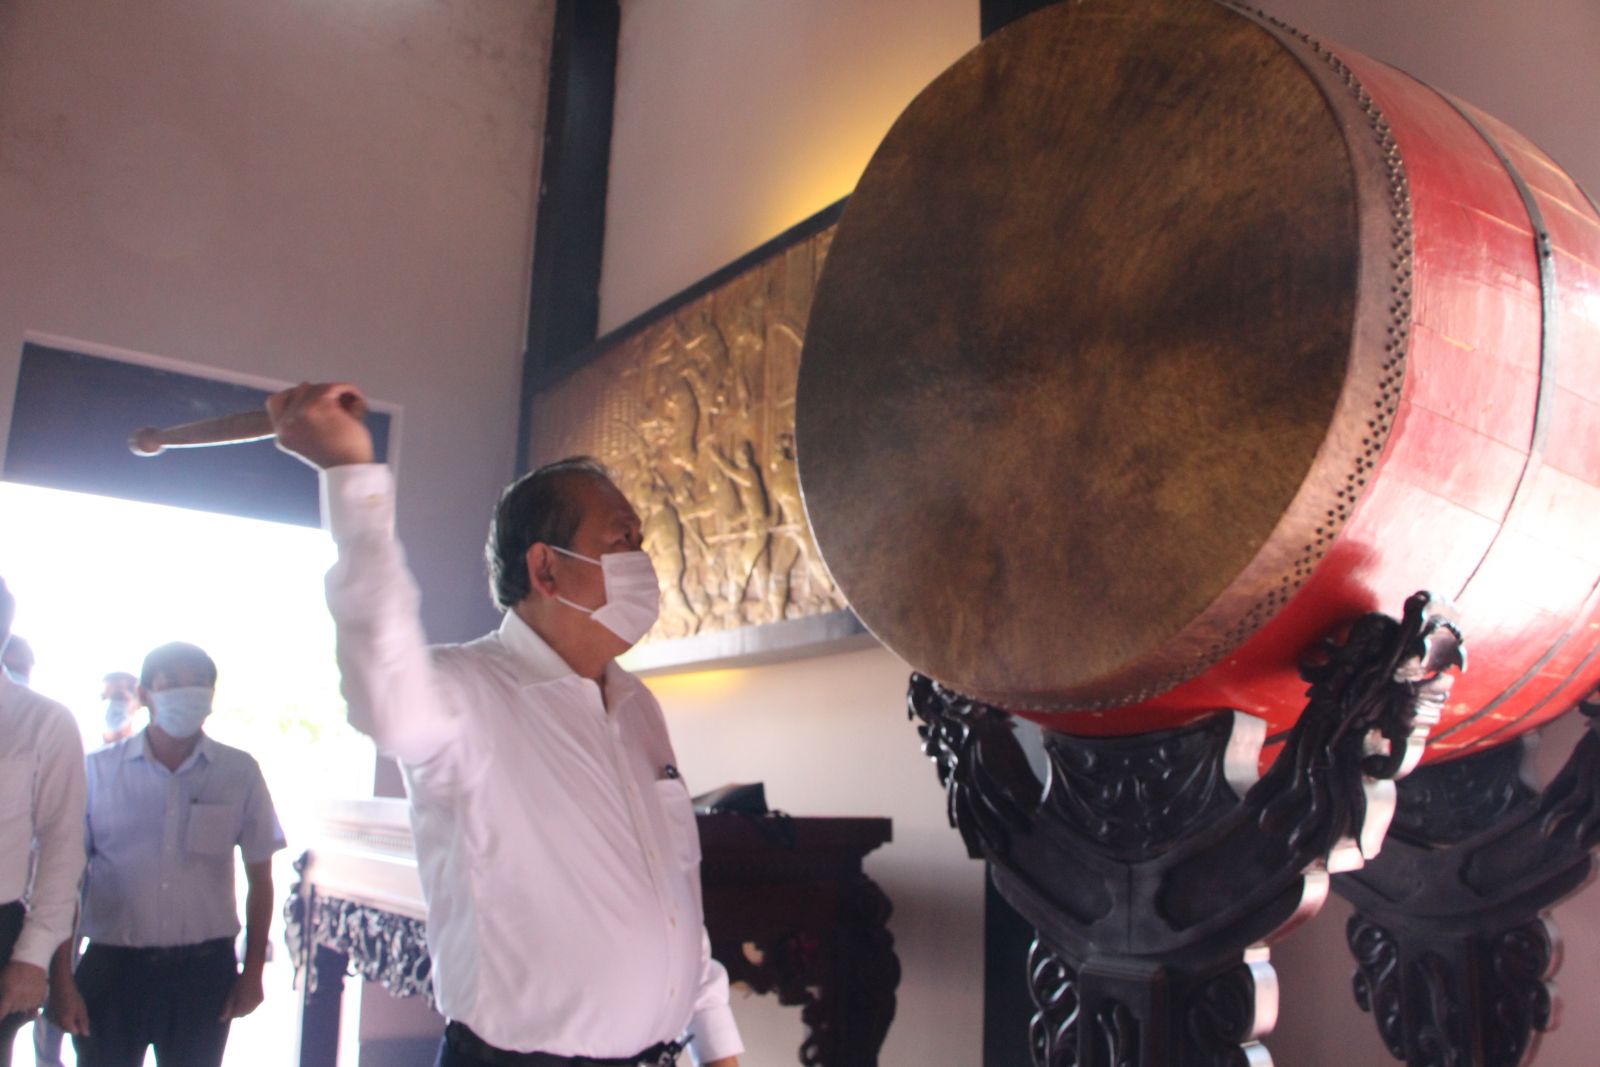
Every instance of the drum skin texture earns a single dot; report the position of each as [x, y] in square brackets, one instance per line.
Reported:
[1159, 341]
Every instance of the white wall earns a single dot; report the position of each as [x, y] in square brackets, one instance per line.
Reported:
[737, 119]
[305, 189]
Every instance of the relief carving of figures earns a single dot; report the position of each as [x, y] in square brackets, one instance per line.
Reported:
[694, 413]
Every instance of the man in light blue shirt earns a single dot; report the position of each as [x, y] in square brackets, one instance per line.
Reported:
[167, 807]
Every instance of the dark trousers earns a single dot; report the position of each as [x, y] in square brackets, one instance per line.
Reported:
[11, 916]
[166, 997]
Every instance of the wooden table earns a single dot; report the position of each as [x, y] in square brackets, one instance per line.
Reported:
[789, 911]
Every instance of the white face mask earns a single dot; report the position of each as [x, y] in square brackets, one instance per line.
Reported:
[179, 712]
[633, 596]
[118, 710]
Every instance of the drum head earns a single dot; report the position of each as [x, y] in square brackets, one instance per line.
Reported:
[1075, 350]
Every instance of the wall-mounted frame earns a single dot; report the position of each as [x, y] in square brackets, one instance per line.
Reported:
[77, 402]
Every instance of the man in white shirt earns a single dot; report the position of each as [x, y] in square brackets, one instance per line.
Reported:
[167, 808]
[556, 842]
[41, 840]
[120, 691]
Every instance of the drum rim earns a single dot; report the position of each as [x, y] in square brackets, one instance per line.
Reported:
[1358, 429]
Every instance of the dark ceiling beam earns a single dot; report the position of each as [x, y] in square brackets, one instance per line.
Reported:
[564, 302]
[996, 14]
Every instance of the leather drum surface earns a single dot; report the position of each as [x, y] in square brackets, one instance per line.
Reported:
[1158, 340]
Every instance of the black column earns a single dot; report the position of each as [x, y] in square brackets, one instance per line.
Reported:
[996, 14]
[564, 304]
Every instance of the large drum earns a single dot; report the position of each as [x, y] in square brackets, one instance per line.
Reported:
[1158, 340]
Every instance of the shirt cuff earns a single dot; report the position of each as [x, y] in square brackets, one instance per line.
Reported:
[357, 499]
[36, 945]
[716, 1035]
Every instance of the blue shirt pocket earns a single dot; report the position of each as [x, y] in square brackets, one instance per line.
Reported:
[213, 828]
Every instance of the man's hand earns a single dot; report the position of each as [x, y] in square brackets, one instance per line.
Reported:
[22, 988]
[67, 1009]
[245, 996]
[322, 424]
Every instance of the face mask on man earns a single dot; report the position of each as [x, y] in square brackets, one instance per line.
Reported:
[119, 709]
[633, 595]
[180, 711]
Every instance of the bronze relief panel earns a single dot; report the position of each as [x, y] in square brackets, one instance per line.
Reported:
[693, 412]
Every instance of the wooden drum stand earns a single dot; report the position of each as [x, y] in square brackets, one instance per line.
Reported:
[1157, 869]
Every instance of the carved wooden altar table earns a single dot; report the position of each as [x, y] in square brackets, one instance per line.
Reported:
[789, 911]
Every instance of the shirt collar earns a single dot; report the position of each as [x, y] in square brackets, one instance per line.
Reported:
[137, 747]
[538, 663]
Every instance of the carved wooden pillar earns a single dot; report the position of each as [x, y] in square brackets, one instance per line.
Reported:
[1157, 868]
[1452, 935]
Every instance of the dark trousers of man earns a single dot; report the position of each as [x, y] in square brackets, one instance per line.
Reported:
[166, 997]
[11, 916]
[463, 1048]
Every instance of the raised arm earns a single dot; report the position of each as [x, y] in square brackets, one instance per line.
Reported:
[386, 671]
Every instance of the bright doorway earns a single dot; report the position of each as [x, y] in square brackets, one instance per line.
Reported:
[100, 581]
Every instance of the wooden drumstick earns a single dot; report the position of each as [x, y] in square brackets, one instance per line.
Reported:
[222, 430]
[237, 428]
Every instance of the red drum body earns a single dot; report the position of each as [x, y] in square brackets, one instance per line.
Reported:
[1397, 390]
[1487, 490]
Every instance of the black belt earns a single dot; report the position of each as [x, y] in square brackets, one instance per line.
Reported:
[464, 1041]
[165, 954]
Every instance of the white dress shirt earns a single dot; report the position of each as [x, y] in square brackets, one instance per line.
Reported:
[41, 817]
[161, 842]
[556, 844]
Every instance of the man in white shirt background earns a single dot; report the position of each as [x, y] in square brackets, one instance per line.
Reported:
[167, 807]
[41, 840]
[555, 839]
[17, 660]
[120, 692]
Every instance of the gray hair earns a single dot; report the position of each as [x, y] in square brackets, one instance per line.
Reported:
[538, 508]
